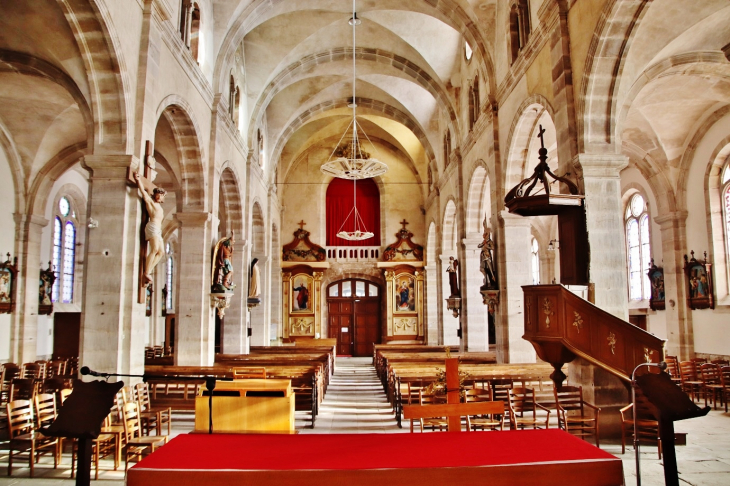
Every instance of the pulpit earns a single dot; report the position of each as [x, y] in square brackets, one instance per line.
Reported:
[246, 406]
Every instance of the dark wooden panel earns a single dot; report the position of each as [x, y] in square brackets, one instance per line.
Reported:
[66, 334]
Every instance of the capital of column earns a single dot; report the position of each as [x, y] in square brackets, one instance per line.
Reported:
[109, 166]
[193, 218]
[22, 219]
[671, 219]
[510, 220]
[601, 165]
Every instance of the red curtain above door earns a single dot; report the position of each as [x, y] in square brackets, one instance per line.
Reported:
[340, 203]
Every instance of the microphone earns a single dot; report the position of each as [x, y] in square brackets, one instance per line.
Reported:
[663, 365]
[85, 370]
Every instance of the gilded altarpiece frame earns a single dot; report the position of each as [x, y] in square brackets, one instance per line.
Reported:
[404, 303]
[301, 303]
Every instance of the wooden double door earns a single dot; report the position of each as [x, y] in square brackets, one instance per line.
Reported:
[354, 316]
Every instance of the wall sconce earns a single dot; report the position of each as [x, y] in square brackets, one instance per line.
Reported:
[553, 245]
[93, 223]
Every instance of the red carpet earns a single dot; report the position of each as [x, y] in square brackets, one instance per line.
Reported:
[525, 458]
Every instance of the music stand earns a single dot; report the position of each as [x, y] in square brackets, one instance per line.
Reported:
[670, 404]
[81, 417]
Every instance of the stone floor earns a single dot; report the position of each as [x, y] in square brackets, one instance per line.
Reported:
[355, 403]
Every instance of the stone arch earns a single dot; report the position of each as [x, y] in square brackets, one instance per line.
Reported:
[365, 104]
[451, 12]
[101, 51]
[305, 66]
[532, 112]
[230, 198]
[193, 178]
[716, 221]
[450, 228]
[16, 168]
[40, 188]
[479, 197]
[596, 104]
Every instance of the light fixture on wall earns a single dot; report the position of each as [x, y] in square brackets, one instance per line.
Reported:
[553, 245]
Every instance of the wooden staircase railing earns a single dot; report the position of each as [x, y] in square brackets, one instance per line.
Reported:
[561, 325]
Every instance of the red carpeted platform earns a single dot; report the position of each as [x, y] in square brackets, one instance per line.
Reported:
[530, 457]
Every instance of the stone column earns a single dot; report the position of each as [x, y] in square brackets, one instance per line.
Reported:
[604, 221]
[259, 325]
[680, 334]
[450, 323]
[112, 321]
[195, 336]
[432, 300]
[24, 330]
[474, 312]
[515, 271]
[234, 323]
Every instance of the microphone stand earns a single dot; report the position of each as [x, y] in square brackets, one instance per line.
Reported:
[662, 366]
[209, 384]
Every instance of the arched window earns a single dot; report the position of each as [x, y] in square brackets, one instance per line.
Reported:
[169, 278]
[64, 251]
[195, 23]
[447, 147]
[190, 22]
[519, 27]
[638, 247]
[535, 263]
[234, 100]
[261, 147]
[468, 52]
[474, 102]
[726, 206]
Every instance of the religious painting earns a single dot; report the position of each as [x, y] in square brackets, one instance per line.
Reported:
[405, 295]
[8, 274]
[699, 283]
[656, 280]
[45, 291]
[302, 286]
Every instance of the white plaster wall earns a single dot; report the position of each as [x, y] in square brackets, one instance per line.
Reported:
[7, 241]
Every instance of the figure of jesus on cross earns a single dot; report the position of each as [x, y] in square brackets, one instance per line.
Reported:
[153, 229]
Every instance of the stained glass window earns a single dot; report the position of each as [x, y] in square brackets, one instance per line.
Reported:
[168, 299]
[56, 258]
[69, 257]
[63, 257]
[638, 247]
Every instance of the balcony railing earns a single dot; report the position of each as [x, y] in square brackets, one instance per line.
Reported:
[353, 253]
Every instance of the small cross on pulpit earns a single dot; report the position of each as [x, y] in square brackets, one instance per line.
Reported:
[404, 223]
[301, 224]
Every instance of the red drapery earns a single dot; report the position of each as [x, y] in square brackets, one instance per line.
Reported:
[340, 203]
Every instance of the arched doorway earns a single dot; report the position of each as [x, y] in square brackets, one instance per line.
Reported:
[354, 316]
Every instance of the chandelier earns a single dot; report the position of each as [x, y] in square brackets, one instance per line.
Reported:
[349, 161]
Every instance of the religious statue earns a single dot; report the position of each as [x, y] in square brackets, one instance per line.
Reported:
[223, 273]
[153, 229]
[453, 271]
[253, 285]
[486, 261]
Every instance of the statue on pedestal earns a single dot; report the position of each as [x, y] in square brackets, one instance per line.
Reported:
[486, 261]
[453, 271]
[223, 268]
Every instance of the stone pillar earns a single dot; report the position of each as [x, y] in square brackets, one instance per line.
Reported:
[515, 271]
[450, 323]
[259, 326]
[680, 334]
[432, 301]
[234, 323]
[24, 330]
[112, 321]
[474, 312]
[195, 336]
[604, 221]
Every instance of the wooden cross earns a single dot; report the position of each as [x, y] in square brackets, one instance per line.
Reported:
[540, 136]
[145, 179]
[404, 223]
[301, 224]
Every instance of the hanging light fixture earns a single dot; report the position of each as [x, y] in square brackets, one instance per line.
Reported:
[349, 160]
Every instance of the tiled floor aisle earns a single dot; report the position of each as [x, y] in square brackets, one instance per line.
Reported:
[355, 403]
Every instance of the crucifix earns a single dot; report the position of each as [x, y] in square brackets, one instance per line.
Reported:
[301, 224]
[151, 224]
[540, 136]
[404, 223]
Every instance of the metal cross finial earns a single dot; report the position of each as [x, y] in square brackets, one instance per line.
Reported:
[301, 224]
[540, 135]
[404, 223]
